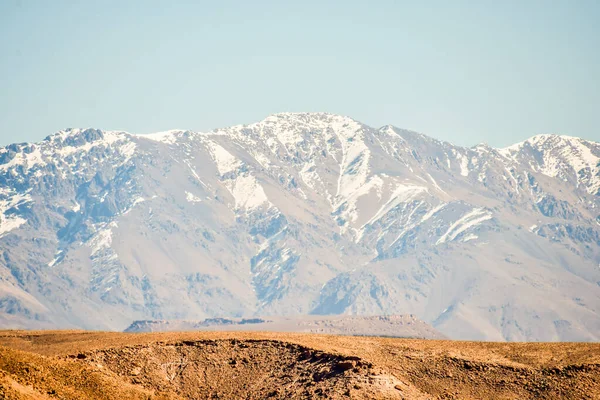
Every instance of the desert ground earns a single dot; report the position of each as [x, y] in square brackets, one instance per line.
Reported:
[258, 365]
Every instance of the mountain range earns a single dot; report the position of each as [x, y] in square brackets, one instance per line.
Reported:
[302, 213]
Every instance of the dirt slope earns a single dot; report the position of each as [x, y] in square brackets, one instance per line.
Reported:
[257, 365]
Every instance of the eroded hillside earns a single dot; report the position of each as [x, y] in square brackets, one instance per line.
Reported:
[74, 365]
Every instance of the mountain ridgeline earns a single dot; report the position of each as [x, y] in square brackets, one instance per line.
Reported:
[302, 213]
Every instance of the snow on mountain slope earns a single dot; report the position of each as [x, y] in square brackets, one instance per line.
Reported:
[302, 213]
[564, 157]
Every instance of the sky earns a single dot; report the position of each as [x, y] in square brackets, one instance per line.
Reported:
[463, 71]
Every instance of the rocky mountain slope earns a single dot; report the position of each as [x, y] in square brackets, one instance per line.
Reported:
[302, 213]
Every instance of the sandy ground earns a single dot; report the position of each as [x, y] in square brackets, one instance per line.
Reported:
[258, 365]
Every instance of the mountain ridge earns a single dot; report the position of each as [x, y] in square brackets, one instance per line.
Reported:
[158, 134]
[301, 213]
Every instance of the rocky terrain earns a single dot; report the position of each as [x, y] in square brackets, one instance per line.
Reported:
[407, 326]
[301, 213]
[254, 365]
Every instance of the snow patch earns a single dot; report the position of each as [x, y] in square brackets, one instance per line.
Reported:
[464, 163]
[534, 229]
[470, 237]
[127, 151]
[433, 211]
[247, 192]
[103, 239]
[27, 160]
[310, 177]
[435, 184]
[10, 222]
[467, 221]
[167, 137]
[192, 198]
[194, 173]
[224, 160]
[401, 194]
[57, 257]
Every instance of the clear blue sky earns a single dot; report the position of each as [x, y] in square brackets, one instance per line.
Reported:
[466, 71]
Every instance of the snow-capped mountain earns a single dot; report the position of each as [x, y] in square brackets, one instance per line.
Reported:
[302, 213]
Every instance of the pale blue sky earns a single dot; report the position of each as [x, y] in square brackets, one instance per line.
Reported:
[464, 71]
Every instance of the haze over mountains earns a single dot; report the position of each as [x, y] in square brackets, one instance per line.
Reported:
[302, 213]
[403, 326]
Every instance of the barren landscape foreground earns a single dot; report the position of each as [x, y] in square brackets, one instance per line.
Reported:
[257, 365]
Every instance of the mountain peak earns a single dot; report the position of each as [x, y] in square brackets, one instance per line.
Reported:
[308, 118]
[305, 114]
[554, 140]
[79, 136]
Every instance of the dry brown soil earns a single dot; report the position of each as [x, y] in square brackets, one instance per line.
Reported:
[259, 365]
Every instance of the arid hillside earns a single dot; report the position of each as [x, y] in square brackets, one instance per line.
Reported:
[258, 365]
